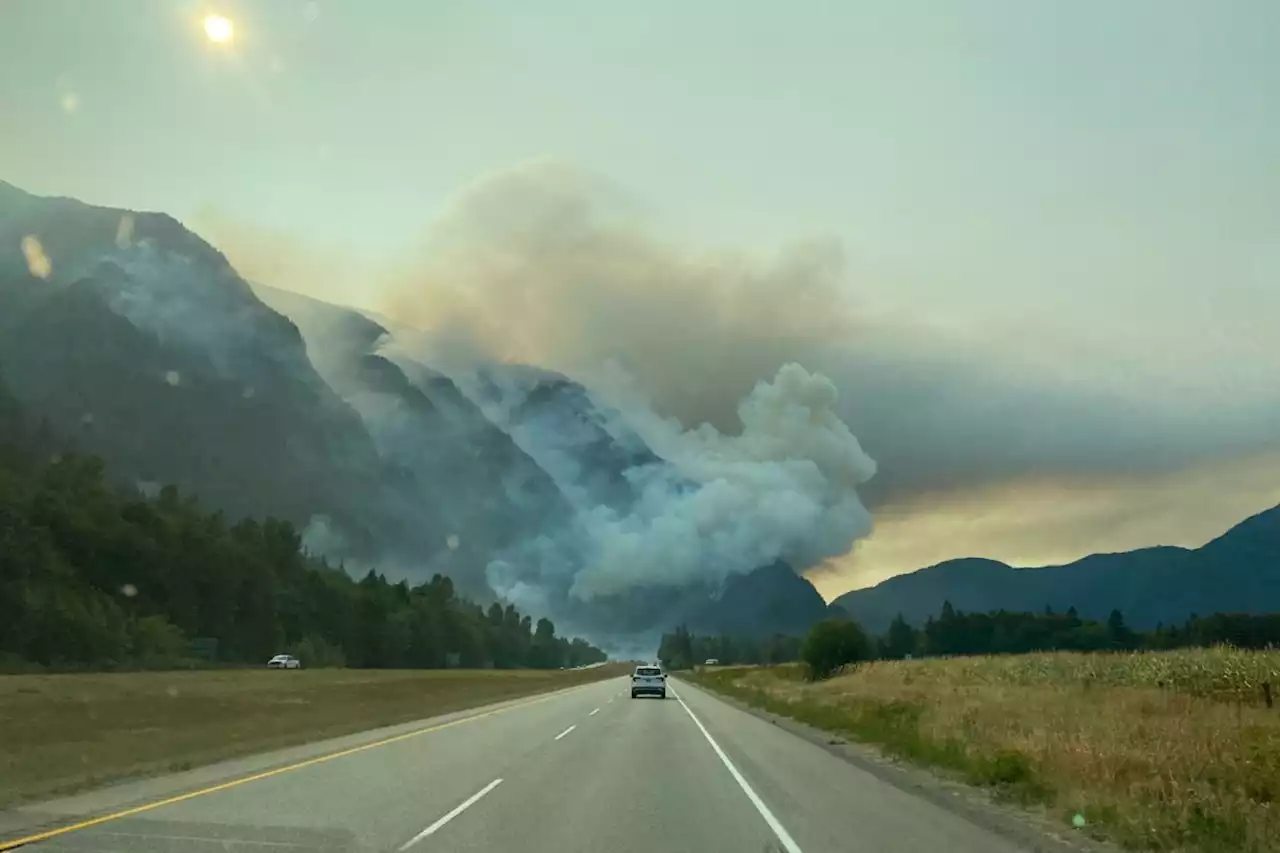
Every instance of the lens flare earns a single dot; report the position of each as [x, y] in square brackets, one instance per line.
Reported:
[219, 28]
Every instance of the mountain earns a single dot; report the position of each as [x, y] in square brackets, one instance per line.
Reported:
[1239, 572]
[597, 459]
[137, 341]
[770, 600]
[545, 439]
[128, 336]
[458, 468]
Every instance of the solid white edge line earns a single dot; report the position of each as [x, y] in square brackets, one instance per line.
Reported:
[783, 836]
[566, 731]
[593, 713]
[462, 807]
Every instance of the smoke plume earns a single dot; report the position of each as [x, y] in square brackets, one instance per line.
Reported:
[713, 505]
[544, 265]
[549, 266]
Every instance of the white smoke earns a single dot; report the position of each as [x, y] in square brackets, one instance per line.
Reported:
[547, 266]
[784, 488]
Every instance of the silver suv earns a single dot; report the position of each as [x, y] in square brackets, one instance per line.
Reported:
[649, 681]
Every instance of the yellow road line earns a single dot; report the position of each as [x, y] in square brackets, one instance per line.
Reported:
[234, 783]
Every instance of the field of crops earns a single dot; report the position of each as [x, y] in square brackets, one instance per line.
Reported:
[1164, 751]
[1221, 673]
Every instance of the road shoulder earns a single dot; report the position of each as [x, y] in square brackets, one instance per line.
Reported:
[1034, 830]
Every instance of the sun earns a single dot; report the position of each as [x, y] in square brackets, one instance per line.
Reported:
[219, 28]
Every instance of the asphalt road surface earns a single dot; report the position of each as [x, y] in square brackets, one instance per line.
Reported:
[588, 769]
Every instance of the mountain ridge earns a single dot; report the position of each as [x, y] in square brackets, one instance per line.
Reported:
[1238, 571]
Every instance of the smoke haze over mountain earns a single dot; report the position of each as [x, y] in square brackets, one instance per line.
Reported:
[553, 266]
[541, 265]
[549, 265]
[712, 505]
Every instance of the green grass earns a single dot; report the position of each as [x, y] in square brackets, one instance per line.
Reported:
[61, 733]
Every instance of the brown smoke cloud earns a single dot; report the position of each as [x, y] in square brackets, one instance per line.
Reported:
[542, 265]
[548, 265]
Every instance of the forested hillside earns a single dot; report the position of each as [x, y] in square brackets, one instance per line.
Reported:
[93, 576]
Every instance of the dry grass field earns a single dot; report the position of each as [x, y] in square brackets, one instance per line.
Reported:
[1165, 751]
[59, 733]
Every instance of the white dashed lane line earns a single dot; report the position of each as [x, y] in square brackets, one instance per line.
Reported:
[593, 713]
[468, 803]
[566, 731]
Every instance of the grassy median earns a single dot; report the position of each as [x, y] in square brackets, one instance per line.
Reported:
[1168, 751]
[60, 733]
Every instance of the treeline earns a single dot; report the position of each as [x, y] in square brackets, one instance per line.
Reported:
[94, 577]
[681, 649]
[954, 632]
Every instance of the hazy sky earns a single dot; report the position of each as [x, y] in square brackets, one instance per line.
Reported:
[1093, 187]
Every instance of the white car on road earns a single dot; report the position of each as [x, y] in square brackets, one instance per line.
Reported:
[284, 662]
[649, 681]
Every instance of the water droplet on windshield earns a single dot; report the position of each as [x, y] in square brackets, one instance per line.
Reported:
[38, 263]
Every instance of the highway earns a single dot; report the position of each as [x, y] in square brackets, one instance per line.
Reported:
[587, 769]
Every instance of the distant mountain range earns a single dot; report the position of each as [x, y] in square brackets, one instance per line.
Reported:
[130, 337]
[1239, 572]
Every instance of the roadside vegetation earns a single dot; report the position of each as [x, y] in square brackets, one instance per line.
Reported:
[1156, 750]
[60, 733]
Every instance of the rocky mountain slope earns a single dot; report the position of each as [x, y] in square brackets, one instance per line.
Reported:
[136, 340]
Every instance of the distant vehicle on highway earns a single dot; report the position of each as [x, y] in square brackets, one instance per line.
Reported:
[712, 662]
[649, 681]
[284, 662]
